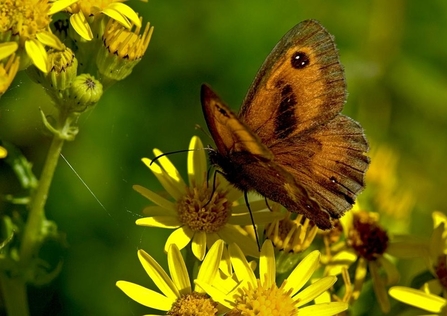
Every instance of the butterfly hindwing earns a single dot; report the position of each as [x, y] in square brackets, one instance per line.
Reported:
[330, 163]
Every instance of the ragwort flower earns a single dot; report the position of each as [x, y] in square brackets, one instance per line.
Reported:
[437, 255]
[85, 13]
[368, 245]
[122, 49]
[261, 296]
[202, 212]
[178, 297]
[291, 235]
[9, 68]
[27, 23]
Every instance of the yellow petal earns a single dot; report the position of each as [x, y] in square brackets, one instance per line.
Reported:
[225, 262]
[428, 302]
[123, 10]
[215, 294]
[267, 265]
[210, 264]
[302, 272]
[239, 236]
[197, 165]
[181, 237]
[167, 175]
[326, 309]
[145, 296]
[167, 165]
[169, 222]
[199, 245]
[36, 51]
[158, 275]
[154, 197]
[178, 271]
[117, 16]
[340, 260]
[314, 290]
[438, 218]
[49, 39]
[60, 5]
[7, 49]
[359, 278]
[3, 152]
[240, 265]
[81, 26]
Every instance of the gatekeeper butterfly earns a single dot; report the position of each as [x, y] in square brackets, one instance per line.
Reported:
[289, 142]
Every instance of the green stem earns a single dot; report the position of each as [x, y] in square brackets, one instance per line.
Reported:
[36, 215]
[14, 295]
[14, 289]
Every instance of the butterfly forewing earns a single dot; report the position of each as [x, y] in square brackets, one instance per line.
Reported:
[300, 85]
[229, 133]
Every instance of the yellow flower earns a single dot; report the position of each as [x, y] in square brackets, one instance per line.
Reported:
[203, 211]
[86, 12]
[122, 48]
[249, 295]
[420, 299]
[3, 152]
[369, 245]
[431, 296]
[437, 255]
[9, 69]
[291, 233]
[27, 23]
[178, 298]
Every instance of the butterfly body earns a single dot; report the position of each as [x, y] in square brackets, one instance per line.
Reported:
[290, 143]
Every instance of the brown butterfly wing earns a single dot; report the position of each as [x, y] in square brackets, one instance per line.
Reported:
[300, 85]
[229, 133]
[290, 143]
[248, 164]
[330, 162]
[293, 105]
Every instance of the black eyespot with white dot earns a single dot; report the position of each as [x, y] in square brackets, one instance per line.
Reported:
[300, 60]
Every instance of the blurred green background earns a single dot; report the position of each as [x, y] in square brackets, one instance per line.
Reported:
[394, 53]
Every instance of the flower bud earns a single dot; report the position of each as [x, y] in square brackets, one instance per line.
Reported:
[84, 92]
[62, 71]
[122, 49]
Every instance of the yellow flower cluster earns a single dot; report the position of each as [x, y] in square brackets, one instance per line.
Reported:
[102, 38]
[298, 264]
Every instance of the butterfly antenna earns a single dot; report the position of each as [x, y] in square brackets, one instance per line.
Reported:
[208, 176]
[171, 153]
[252, 220]
[199, 127]
[214, 185]
[268, 205]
